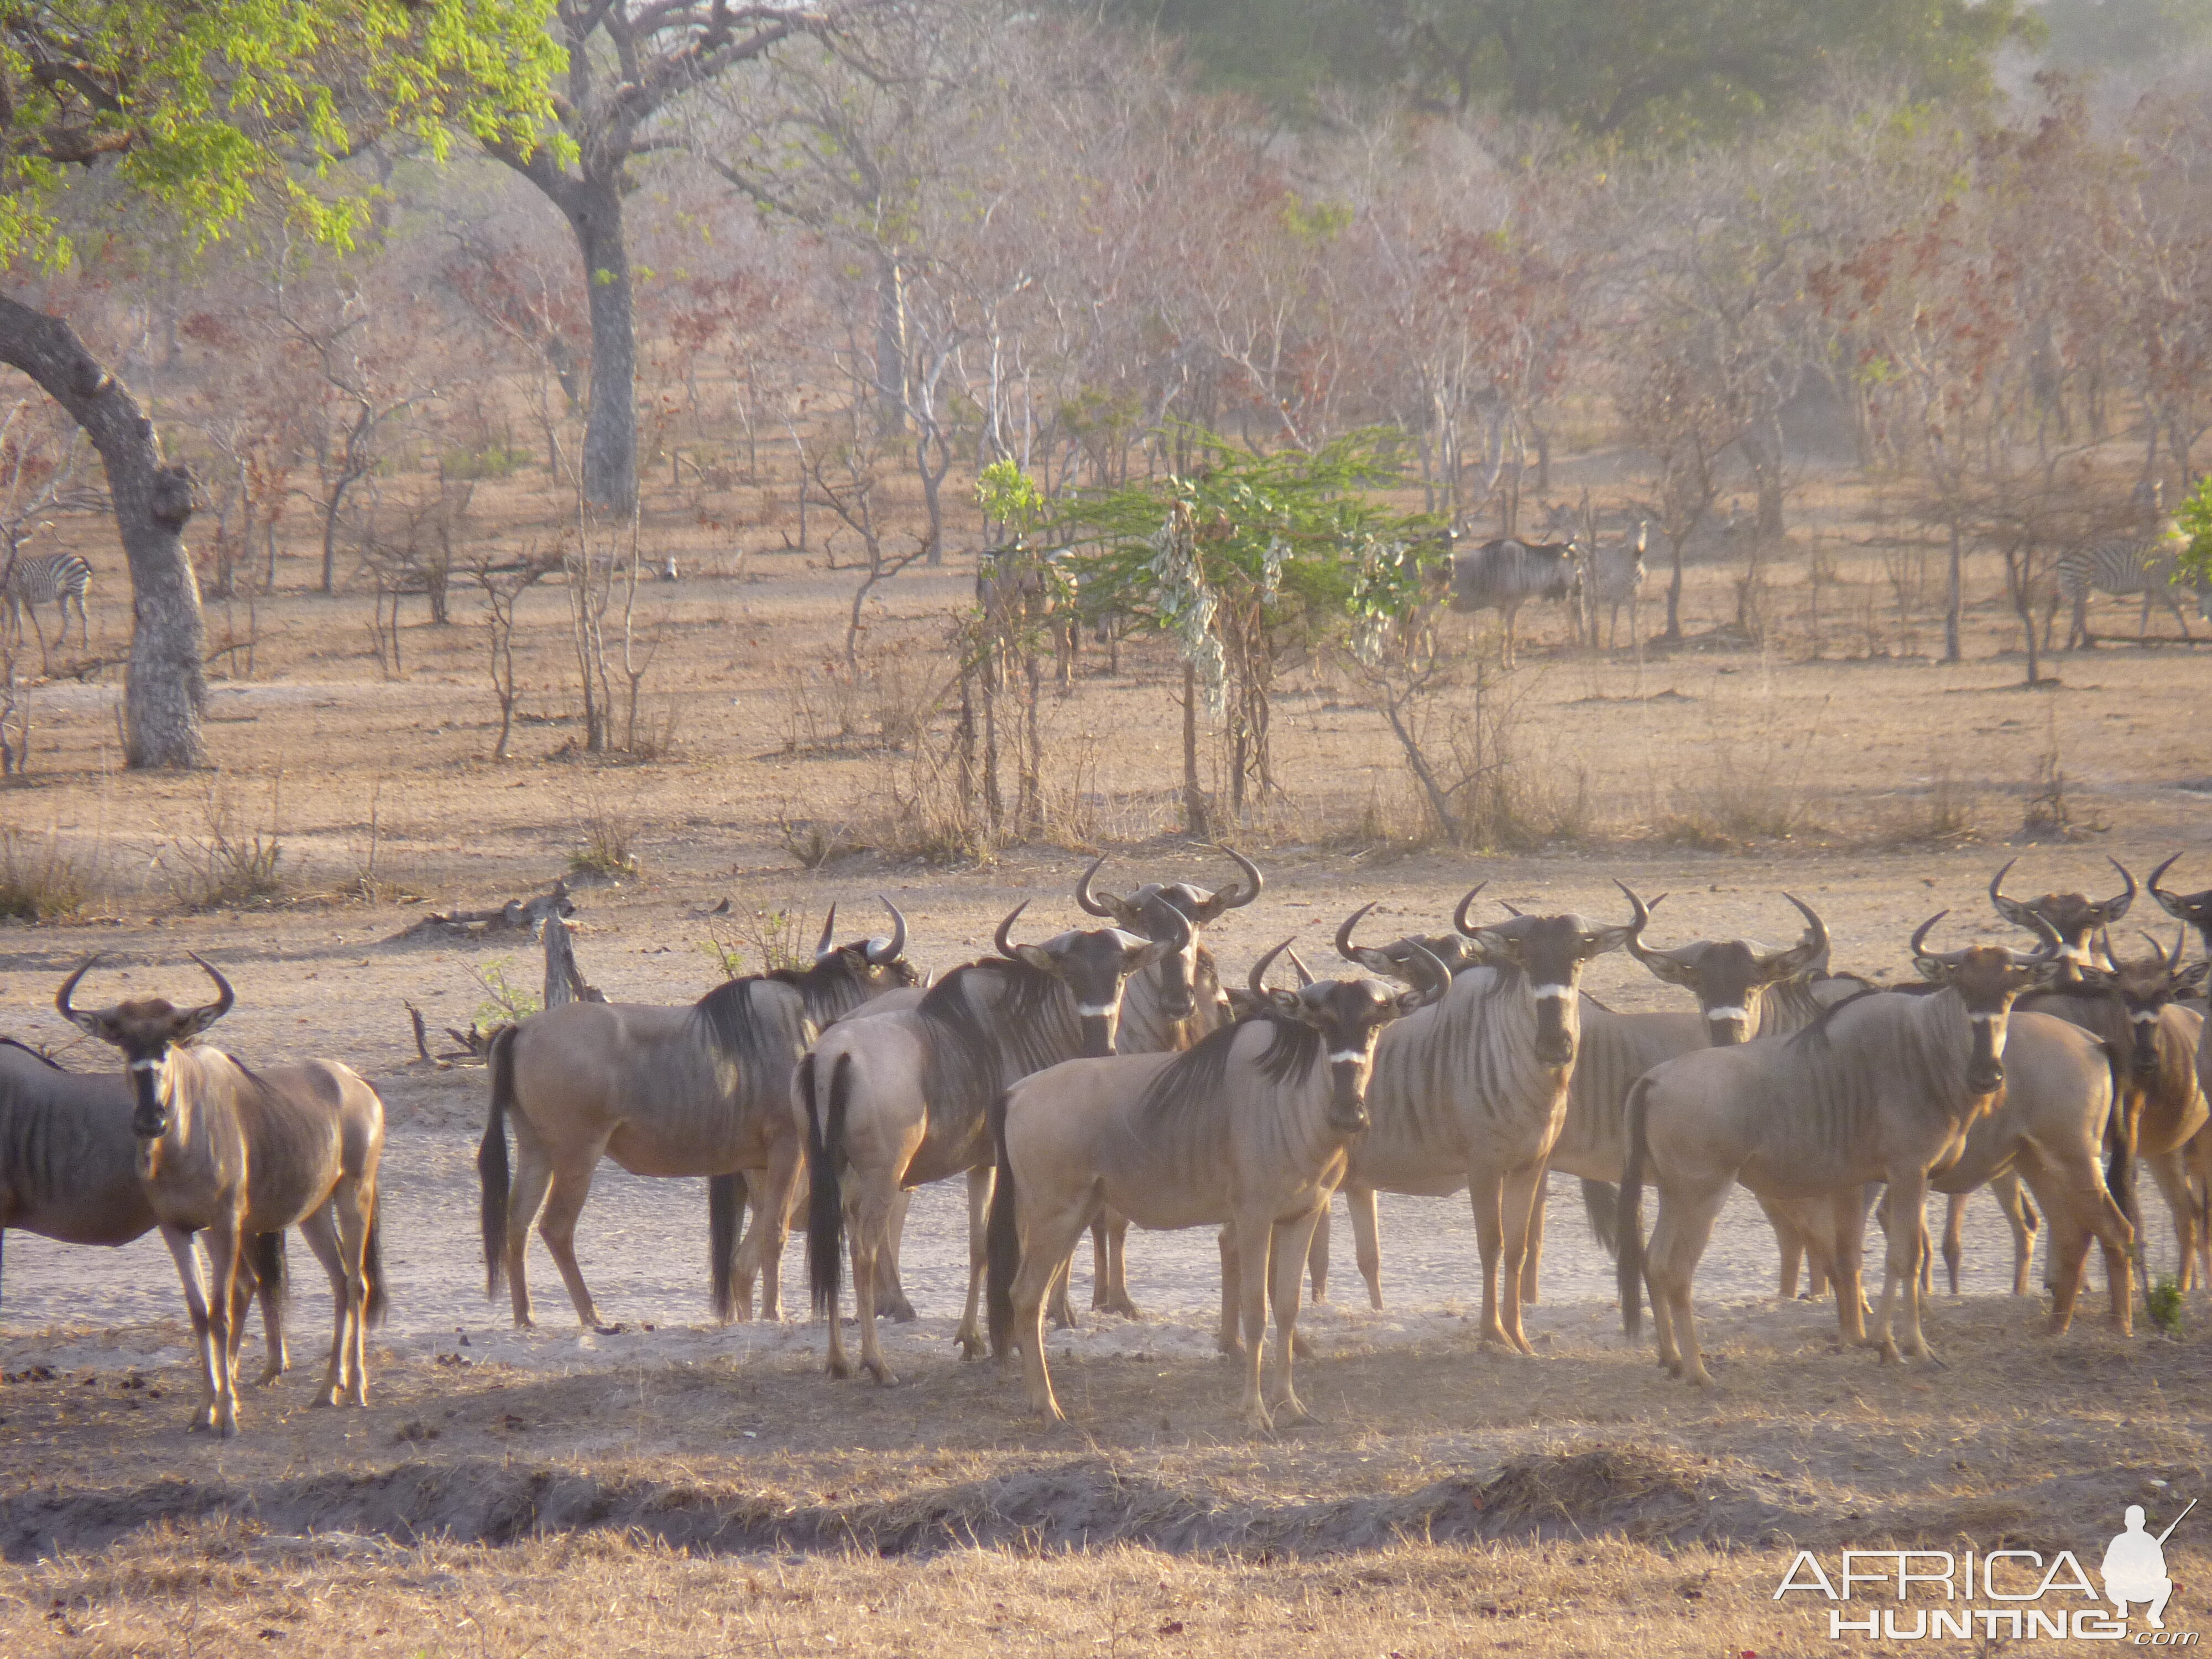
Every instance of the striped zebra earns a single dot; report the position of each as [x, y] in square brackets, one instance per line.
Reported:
[1505, 574]
[1612, 577]
[57, 579]
[2123, 566]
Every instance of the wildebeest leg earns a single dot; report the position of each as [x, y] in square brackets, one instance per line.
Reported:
[1366, 1241]
[1518, 1196]
[970, 1333]
[1790, 1238]
[1955, 1243]
[1229, 1338]
[533, 1174]
[1058, 1307]
[2171, 1170]
[1287, 1256]
[890, 1296]
[1116, 1298]
[1905, 1234]
[877, 1205]
[1050, 1231]
[1533, 1262]
[185, 1252]
[222, 1247]
[321, 1231]
[1101, 1261]
[352, 1207]
[2020, 1215]
[2071, 1207]
[1847, 1219]
[564, 1202]
[1679, 1235]
[1317, 1255]
[1253, 1238]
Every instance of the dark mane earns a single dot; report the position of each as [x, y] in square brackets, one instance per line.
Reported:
[969, 1057]
[738, 1029]
[1195, 1077]
[46, 1060]
[1817, 1027]
[833, 986]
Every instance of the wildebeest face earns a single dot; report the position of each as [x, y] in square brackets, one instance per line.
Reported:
[1551, 950]
[1728, 976]
[1987, 978]
[1348, 1013]
[1095, 965]
[2072, 916]
[2144, 988]
[146, 1029]
[1171, 913]
[2195, 908]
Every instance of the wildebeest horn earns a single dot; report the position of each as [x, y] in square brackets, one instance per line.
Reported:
[207, 1014]
[62, 997]
[829, 927]
[1438, 976]
[1783, 964]
[1460, 923]
[1235, 898]
[1082, 894]
[1257, 980]
[1925, 927]
[2114, 908]
[891, 952]
[1002, 938]
[2011, 910]
[2050, 947]
[1305, 973]
[2173, 902]
[1668, 965]
[1365, 955]
[1157, 950]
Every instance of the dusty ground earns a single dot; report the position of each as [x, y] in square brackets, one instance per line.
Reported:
[701, 1490]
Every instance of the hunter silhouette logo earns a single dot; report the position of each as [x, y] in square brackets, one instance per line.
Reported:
[2009, 1594]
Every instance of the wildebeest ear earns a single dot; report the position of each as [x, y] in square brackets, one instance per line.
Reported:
[93, 1023]
[2094, 977]
[2186, 980]
[193, 1022]
[1037, 958]
[1930, 968]
[1288, 1003]
[1608, 938]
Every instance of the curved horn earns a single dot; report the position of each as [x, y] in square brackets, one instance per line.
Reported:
[1238, 897]
[1305, 973]
[1260, 968]
[1005, 944]
[828, 928]
[2010, 909]
[2180, 944]
[2117, 906]
[62, 997]
[1782, 964]
[1439, 976]
[1460, 923]
[893, 951]
[1666, 965]
[1922, 931]
[1084, 896]
[207, 1013]
[2171, 902]
[2050, 947]
[1345, 947]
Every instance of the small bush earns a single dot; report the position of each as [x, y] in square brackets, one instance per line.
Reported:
[226, 866]
[606, 851]
[1941, 816]
[2163, 1302]
[40, 882]
[493, 460]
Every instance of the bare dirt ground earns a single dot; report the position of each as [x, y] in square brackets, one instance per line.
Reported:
[692, 1489]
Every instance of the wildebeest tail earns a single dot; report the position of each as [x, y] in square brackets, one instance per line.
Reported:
[266, 1252]
[726, 1215]
[825, 1201]
[492, 1174]
[1628, 1223]
[1599, 1200]
[378, 1301]
[1002, 1243]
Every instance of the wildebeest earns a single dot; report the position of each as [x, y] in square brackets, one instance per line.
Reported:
[697, 1091]
[898, 1100]
[2195, 908]
[1474, 1089]
[226, 1153]
[1247, 1128]
[2074, 917]
[1505, 574]
[1882, 1087]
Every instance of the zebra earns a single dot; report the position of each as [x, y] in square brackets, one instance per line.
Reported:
[55, 579]
[1612, 577]
[1504, 574]
[2128, 565]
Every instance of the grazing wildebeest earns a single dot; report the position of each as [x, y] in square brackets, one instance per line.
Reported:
[1248, 1128]
[1505, 574]
[1882, 1087]
[897, 1100]
[697, 1091]
[2074, 917]
[1168, 1007]
[1473, 1089]
[227, 1153]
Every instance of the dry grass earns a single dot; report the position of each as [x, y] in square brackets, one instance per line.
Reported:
[228, 863]
[609, 826]
[42, 879]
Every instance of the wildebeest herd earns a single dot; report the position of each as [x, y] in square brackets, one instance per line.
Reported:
[1107, 1077]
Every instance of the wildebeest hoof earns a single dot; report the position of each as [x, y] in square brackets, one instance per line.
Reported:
[1233, 1350]
[1289, 1410]
[901, 1313]
[883, 1373]
[1300, 1346]
[616, 1330]
[1888, 1350]
[971, 1347]
[1256, 1416]
[840, 1369]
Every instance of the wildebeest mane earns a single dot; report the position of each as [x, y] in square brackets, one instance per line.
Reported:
[735, 1025]
[1816, 1029]
[1195, 1077]
[969, 1059]
[833, 986]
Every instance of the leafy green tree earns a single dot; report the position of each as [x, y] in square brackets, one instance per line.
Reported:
[204, 109]
[2194, 515]
[1244, 558]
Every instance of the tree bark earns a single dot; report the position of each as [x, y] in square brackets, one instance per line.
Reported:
[594, 213]
[1955, 597]
[165, 685]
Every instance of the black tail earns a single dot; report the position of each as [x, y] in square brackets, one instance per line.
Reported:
[1628, 1223]
[378, 1301]
[1600, 1201]
[266, 1252]
[492, 1173]
[1002, 1243]
[825, 1203]
[726, 1219]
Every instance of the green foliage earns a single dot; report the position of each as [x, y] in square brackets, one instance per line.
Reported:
[494, 460]
[209, 106]
[1650, 71]
[1009, 495]
[504, 1000]
[2163, 1302]
[2194, 515]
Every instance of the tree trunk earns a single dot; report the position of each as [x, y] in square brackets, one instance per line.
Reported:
[166, 683]
[1196, 819]
[1674, 590]
[594, 213]
[1762, 449]
[890, 347]
[1955, 597]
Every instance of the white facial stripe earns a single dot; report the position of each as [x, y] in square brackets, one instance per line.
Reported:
[1346, 1056]
[1728, 1013]
[2145, 1017]
[144, 1065]
[1097, 1010]
[1544, 992]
